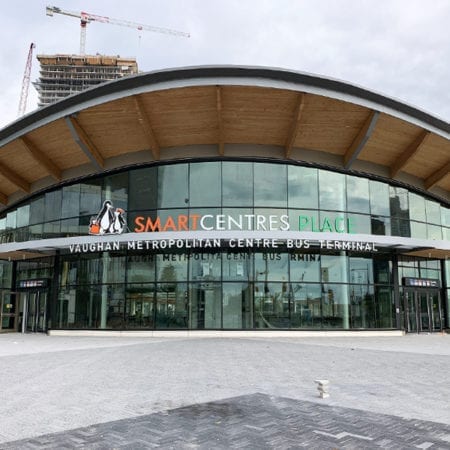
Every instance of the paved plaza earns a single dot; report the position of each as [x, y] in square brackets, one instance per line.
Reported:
[134, 393]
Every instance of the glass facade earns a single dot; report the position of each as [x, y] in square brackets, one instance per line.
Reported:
[229, 288]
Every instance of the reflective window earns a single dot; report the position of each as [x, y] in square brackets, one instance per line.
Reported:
[53, 204]
[416, 207]
[70, 201]
[361, 270]
[172, 268]
[23, 216]
[37, 209]
[271, 267]
[335, 306]
[173, 186]
[272, 305]
[418, 230]
[399, 202]
[334, 268]
[141, 268]
[90, 197]
[115, 189]
[143, 189]
[237, 306]
[204, 184]
[304, 267]
[433, 212]
[332, 193]
[237, 184]
[270, 185]
[11, 219]
[358, 194]
[302, 187]
[381, 226]
[237, 266]
[379, 198]
[306, 305]
[171, 306]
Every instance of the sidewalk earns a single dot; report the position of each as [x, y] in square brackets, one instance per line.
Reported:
[54, 384]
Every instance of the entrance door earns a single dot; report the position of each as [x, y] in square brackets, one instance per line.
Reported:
[33, 311]
[423, 312]
[8, 315]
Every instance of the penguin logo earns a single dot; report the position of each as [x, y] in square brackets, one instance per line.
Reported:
[109, 220]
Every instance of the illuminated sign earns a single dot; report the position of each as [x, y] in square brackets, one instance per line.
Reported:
[37, 283]
[421, 282]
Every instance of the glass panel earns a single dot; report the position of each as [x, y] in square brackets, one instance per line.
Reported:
[399, 202]
[304, 267]
[334, 268]
[237, 306]
[204, 184]
[302, 187]
[206, 266]
[23, 216]
[11, 220]
[37, 210]
[433, 211]
[172, 267]
[379, 198]
[90, 197]
[53, 205]
[270, 185]
[272, 305]
[206, 305]
[237, 184]
[143, 188]
[359, 223]
[332, 190]
[271, 219]
[242, 218]
[70, 201]
[173, 186]
[445, 216]
[140, 306]
[358, 194]
[71, 227]
[436, 311]
[416, 207]
[306, 308]
[271, 267]
[115, 189]
[384, 307]
[400, 227]
[382, 267]
[434, 232]
[361, 271]
[362, 307]
[424, 313]
[140, 268]
[381, 225]
[236, 266]
[418, 230]
[171, 306]
[335, 306]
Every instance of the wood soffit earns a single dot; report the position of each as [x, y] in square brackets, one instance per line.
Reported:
[226, 114]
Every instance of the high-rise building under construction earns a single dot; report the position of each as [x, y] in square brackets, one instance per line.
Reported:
[63, 75]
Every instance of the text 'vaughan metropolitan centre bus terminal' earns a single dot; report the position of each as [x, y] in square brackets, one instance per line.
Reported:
[225, 198]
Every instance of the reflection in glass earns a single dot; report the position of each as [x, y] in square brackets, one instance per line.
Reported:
[206, 266]
[302, 187]
[332, 190]
[115, 189]
[237, 306]
[172, 267]
[237, 266]
[399, 203]
[358, 194]
[70, 201]
[433, 212]
[270, 185]
[237, 183]
[271, 267]
[381, 225]
[379, 198]
[272, 305]
[173, 186]
[205, 305]
[204, 184]
[143, 189]
[306, 305]
[140, 306]
[416, 207]
[171, 306]
[335, 306]
[304, 267]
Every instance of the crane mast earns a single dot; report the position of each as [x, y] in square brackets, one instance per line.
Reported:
[86, 18]
[25, 82]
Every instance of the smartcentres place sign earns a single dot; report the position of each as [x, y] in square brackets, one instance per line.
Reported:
[207, 231]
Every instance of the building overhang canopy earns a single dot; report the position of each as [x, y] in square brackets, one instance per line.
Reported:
[224, 112]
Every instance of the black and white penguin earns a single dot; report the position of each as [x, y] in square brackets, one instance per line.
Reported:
[118, 223]
[105, 217]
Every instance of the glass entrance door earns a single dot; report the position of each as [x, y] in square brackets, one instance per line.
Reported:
[33, 311]
[423, 311]
[8, 315]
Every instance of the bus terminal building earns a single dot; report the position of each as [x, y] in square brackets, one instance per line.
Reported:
[225, 198]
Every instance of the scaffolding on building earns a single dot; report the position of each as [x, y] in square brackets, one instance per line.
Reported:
[63, 75]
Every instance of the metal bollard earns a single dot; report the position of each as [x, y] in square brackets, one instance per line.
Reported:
[322, 387]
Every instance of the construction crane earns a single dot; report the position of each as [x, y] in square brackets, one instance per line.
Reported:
[86, 18]
[25, 83]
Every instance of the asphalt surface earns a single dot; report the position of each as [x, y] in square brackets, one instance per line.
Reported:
[75, 392]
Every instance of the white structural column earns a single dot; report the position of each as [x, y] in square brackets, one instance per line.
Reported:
[345, 291]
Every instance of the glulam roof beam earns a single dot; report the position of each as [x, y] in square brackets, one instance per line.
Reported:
[41, 158]
[144, 122]
[437, 176]
[15, 179]
[3, 199]
[411, 150]
[357, 146]
[84, 142]
[219, 121]
[295, 126]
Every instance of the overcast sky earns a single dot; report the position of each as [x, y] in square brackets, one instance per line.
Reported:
[400, 48]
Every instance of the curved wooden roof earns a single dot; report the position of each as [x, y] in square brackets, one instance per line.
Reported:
[212, 112]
